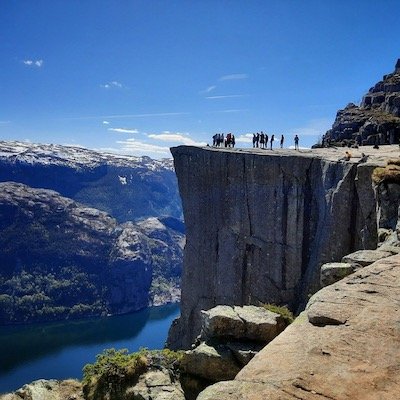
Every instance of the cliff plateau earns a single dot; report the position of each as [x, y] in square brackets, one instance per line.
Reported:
[260, 224]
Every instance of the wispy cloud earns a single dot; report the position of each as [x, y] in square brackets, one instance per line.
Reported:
[229, 96]
[137, 147]
[112, 85]
[123, 130]
[106, 122]
[208, 90]
[314, 127]
[4, 122]
[233, 77]
[177, 137]
[33, 63]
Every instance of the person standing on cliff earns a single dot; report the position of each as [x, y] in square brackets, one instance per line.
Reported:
[262, 140]
[282, 140]
[296, 142]
[272, 140]
[266, 141]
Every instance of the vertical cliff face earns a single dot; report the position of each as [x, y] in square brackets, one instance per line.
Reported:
[259, 226]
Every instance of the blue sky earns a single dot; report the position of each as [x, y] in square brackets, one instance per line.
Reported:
[137, 77]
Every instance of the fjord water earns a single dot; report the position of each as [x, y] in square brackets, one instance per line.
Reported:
[59, 350]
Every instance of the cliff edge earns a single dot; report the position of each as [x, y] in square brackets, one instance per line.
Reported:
[260, 224]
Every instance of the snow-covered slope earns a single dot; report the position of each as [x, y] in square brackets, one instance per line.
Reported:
[127, 187]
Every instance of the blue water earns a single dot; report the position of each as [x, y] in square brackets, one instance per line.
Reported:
[60, 350]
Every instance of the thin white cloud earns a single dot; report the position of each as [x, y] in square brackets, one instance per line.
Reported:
[112, 85]
[4, 122]
[314, 127]
[33, 63]
[208, 90]
[229, 96]
[123, 130]
[233, 77]
[106, 122]
[176, 138]
[246, 138]
[137, 147]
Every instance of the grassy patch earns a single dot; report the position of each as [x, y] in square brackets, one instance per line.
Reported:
[115, 370]
[286, 314]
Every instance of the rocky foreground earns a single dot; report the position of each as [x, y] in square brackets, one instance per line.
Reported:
[345, 345]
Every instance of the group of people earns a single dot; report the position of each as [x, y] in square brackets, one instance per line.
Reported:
[220, 140]
[260, 140]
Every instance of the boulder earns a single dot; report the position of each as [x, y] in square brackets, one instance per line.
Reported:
[365, 257]
[155, 385]
[247, 322]
[260, 324]
[214, 363]
[221, 321]
[333, 272]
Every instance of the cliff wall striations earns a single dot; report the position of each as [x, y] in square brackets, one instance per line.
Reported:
[260, 224]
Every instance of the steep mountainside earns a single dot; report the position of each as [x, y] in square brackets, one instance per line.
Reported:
[62, 259]
[376, 120]
[128, 188]
[260, 224]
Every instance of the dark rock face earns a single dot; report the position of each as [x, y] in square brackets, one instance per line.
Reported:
[260, 226]
[376, 120]
[126, 187]
[60, 259]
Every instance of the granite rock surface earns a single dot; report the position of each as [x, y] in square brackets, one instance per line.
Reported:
[331, 351]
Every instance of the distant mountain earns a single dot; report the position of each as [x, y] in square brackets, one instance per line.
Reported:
[86, 233]
[376, 120]
[128, 188]
[61, 259]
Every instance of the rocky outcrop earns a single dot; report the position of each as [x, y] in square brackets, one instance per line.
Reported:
[155, 385]
[167, 240]
[247, 323]
[128, 188]
[345, 345]
[376, 120]
[259, 226]
[333, 272]
[230, 338]
[365, 257]
[47, 390]
[61, 259]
